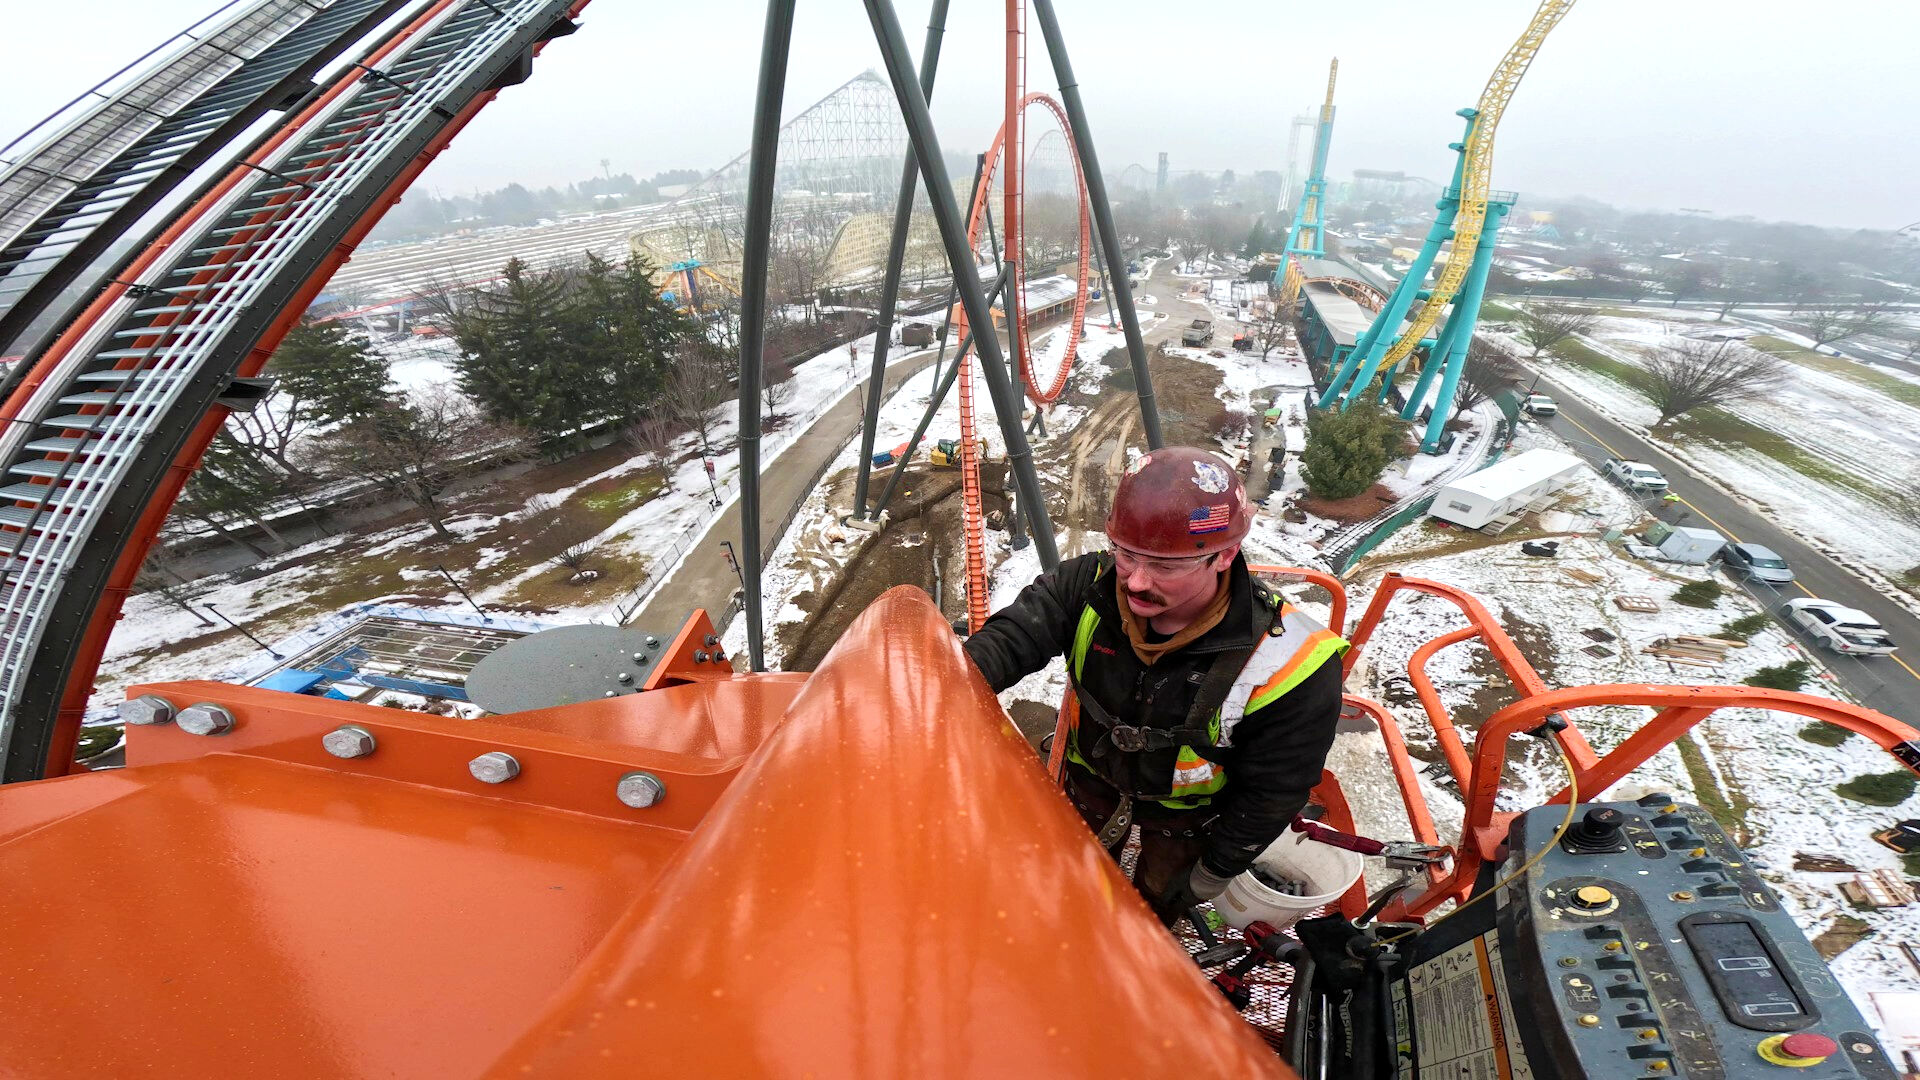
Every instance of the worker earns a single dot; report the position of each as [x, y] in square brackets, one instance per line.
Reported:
[1206, 705]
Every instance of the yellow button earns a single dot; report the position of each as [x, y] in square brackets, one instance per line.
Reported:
[1589, 1020]
[1592, 896]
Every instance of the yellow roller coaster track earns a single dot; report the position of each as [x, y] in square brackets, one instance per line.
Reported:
[1477, 175]
[1290, 285]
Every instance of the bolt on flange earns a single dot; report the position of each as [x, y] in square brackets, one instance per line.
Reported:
[640, 790]
[494, 767]
[349, 741]
[205, 718]
[146, 709]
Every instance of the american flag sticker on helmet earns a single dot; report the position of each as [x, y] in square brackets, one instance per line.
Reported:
[1208, 519]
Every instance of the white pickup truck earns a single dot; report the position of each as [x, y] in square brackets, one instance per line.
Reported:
[1634, 475]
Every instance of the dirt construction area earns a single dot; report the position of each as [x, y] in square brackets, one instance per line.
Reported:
[924, 544]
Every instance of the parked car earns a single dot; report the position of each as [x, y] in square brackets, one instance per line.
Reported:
[1756, 562]
[1840, 628]
[1540, 405]
[1634, 475]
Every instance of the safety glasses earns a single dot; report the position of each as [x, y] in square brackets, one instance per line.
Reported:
[1128, 562]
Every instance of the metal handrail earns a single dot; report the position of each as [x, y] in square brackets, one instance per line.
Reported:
[215, 306]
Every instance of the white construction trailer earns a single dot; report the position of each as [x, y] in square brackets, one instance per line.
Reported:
[1504, 490]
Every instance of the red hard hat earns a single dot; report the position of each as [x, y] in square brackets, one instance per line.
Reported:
[1178, 501]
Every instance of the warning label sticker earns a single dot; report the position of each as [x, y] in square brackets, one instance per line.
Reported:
[1463, 1024]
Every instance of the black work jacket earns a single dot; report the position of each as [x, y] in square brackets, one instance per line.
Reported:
[1278, 751]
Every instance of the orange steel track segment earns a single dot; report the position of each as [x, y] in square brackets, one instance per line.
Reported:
[93, 643]
[977, 216]
[186, 219]
[890, 889]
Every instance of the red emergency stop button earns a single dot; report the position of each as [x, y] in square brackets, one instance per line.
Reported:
[1798, 1051]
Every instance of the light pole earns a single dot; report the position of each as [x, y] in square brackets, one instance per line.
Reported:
[243, 632]
[733, 561]
[484, 617]
[712, 490]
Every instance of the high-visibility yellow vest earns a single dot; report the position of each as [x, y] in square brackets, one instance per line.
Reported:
[1293, 649]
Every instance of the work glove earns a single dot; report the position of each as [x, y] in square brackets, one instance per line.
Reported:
[1194, 887]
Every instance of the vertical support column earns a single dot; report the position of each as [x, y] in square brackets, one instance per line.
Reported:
[1373, 344]
[776, 41]
[1102, 217]
[896, 258]
[953, 234]
[1467, 314]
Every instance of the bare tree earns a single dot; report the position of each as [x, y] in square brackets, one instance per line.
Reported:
[1487, 371]
[161, 574]
[1190, 243]
[1695, 374]
[577, 532]
[1270, 330]
[416, 449]
[1829, 321]
[1545, 325]
[694, 388]
[776, 384]
[655, 437]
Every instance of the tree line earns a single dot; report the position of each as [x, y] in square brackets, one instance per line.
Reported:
[544, 359]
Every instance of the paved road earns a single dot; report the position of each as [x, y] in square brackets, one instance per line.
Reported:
[1888, 684]
[704, 580]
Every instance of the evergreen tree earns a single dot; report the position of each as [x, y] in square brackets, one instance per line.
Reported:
[323, 375]
[634, 333]
[1347, 451]
[330, 372]
[231, 484]
[528, 353]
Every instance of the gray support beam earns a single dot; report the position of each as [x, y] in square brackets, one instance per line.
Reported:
[896, 257]
[775, 45]
[1102, 216]
[943, 385]
[953, 234]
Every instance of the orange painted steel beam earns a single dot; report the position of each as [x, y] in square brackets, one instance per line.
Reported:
[1336, 592]
[233, 915]
[891, 888]
[1444, 732]
[694, 738]
[1526, 682]
[1419, 814]
[693, 655]
[1483, 832]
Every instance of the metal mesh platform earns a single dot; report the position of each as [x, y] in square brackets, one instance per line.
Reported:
[1270, 983]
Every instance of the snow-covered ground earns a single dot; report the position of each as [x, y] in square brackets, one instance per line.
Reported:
[154, 640]
[1848, 428]
[1759, 762]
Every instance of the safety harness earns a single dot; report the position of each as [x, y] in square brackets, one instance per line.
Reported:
[1288, 647]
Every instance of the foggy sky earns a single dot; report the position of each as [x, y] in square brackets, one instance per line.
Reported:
[1789, 111]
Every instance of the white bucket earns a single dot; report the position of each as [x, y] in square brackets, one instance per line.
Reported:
[1324, 871]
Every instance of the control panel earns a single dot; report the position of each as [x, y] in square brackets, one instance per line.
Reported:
[1642, 946]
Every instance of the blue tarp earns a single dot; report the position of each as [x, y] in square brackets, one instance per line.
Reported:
[291, 680]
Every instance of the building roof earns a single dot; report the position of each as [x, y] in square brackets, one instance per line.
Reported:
[1345, 319]
[1499, 480]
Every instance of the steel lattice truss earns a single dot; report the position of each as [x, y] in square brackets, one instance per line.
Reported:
[839, 164]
